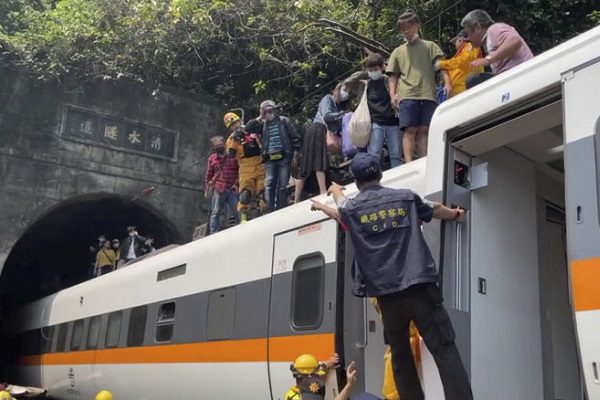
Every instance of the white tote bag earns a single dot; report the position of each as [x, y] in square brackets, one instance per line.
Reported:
[359, 127]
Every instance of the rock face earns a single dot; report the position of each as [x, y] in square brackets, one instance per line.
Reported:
[82, 159]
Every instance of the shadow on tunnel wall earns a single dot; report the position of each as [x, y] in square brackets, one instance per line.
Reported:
[54, 252]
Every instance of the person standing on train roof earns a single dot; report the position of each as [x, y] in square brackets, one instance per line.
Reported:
[245, 143]
[396, 267]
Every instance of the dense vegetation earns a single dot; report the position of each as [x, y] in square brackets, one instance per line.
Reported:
[242, 51]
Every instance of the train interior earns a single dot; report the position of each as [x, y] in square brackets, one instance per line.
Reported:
[511, 296]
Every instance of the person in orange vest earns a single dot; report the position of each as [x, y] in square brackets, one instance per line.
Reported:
[247, 148]
[459, 66]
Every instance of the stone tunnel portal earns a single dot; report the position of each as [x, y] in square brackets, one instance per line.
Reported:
[54, 252]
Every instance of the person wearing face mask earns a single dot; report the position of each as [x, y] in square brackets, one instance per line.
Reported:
[280, 147]
[314, 149]
[459, 66]
[412, 85]
[384, 122]
[245, 144]
[220, 183]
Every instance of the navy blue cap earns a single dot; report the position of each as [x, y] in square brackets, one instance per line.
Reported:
[365, 167]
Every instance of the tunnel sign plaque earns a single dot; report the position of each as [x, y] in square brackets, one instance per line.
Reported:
[94, 128]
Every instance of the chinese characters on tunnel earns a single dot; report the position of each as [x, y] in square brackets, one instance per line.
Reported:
[125, 135]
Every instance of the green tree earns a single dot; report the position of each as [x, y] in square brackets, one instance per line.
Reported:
[243, 51]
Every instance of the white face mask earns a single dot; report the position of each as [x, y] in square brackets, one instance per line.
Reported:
[375, 75]
[344, 95]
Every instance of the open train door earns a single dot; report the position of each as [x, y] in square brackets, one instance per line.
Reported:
[302, 309]
[582, 194]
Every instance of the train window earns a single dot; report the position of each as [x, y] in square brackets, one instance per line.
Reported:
[221, 314]
[77, 335]
[93, 332]
[47, 334]
[165, 322]
[113, 329]
[137, 326]
[61, 342]
[308, 284]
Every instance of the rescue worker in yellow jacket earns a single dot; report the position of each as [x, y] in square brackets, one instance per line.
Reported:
[459, 66]
[310, 378]
[104, 395]
[247, 148]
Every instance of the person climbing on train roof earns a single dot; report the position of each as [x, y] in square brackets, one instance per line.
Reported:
[310, 378]
[395, 266]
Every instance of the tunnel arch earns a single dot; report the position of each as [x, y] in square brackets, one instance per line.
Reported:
[53, 252]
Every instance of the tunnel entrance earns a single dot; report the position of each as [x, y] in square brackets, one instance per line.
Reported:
[54, 252]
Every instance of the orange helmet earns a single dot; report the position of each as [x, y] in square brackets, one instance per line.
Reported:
[230, 118]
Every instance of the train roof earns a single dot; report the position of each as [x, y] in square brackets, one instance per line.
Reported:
[517, 87]
[239, 254]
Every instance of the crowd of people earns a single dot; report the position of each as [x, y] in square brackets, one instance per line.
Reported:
[253, 165]
[108, 255]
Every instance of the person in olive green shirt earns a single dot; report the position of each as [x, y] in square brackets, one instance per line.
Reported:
[412, 85]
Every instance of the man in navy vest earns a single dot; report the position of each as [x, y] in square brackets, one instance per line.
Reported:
[396, 267]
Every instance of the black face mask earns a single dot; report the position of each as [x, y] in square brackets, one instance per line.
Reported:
[220, 150]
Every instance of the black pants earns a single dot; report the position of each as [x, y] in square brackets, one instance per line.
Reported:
[476, 79]
[422, 304]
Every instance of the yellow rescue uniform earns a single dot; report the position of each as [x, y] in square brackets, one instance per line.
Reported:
[459, 66]
[389, 391]
[251, 168]
[293, 393]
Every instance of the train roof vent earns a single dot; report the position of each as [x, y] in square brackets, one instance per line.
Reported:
[171, 272]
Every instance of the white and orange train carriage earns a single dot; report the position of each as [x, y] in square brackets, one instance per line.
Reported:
[223, 317]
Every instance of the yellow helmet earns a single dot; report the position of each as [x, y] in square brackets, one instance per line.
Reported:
[230, 118]
[104, 395]
[305, 364]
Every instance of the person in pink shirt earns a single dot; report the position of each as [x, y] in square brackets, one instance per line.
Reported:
[502, 45]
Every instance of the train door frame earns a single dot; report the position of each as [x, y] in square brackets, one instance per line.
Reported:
[286, 339]
[581, 123]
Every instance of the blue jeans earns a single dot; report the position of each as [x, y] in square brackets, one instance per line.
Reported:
[277, 176]
[391, 133]
[218, 202]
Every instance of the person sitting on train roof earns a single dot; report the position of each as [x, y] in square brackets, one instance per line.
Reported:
[395, 266]
[459, 66]
[504, 47]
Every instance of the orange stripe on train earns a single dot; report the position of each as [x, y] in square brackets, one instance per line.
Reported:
[585, 279]
[284, 349]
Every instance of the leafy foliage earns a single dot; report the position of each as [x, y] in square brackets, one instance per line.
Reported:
[242, 51]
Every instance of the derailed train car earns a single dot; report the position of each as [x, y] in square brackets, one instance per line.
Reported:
[224, 316]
